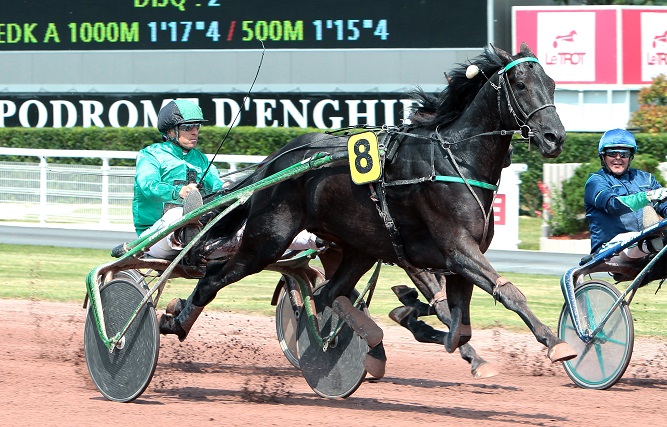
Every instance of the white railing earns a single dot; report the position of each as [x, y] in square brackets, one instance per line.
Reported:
[50, 192]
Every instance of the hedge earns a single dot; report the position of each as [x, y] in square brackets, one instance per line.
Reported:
[241, 140]
[579, 147]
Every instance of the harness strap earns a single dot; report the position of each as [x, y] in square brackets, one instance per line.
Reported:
[485, 215]
[390, 225]
[472, 182]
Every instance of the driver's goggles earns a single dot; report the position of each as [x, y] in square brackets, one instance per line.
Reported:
[624, 154]
[189, 126]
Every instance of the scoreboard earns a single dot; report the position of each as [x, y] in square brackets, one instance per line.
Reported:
[79, 25]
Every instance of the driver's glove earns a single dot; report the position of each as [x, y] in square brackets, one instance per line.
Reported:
[656, 195]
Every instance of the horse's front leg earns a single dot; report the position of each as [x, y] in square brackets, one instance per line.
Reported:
[472, 265]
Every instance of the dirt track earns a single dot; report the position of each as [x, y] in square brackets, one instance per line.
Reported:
[230, 371]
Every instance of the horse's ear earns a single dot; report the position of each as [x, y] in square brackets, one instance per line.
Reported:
[526, 50]
[502, 54]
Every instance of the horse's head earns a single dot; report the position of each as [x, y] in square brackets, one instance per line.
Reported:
[527, 94]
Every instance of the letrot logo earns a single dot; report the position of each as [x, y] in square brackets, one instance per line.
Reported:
[567, 45]
[654, 45]
[659, 55]
[569, 37]
[566, 55]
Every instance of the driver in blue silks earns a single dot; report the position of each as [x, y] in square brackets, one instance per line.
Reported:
[618, 198]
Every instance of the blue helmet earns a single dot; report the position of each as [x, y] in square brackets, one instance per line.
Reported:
[617, 138]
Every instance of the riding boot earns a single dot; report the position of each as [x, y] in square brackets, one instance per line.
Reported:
[423, 332]
[175, 306]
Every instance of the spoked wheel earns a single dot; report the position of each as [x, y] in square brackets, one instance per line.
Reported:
[602, 362]
[338, 371]
[287, 322]
[123, 374]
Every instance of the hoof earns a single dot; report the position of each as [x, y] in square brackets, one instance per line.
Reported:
[561, 352]
[485, 370]
[169, 326]
[376, 361]
[401, 315]
[175, 306]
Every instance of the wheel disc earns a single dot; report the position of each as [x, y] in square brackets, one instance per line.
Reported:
[286, 328]
[123, 374]
[337, 372]
[603, 361]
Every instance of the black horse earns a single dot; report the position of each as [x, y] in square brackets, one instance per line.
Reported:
[430, 210]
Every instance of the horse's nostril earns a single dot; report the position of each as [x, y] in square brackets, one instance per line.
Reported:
[550, 137]
[554, 138]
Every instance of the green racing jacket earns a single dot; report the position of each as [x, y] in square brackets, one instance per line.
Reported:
[162, 170]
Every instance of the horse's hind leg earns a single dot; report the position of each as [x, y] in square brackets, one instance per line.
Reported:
[459, 293]
[352, 267]
[408, 314]
[452, 310]
[261, 245]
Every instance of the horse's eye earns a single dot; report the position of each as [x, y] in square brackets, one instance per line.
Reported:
[520, 85]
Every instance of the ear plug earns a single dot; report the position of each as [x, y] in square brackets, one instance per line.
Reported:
[472, 71]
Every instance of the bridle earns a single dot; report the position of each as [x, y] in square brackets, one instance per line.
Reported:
[510, 96]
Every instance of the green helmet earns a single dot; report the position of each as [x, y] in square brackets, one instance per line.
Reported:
[178, 112]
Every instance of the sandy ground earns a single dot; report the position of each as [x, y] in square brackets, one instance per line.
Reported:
[231, 371]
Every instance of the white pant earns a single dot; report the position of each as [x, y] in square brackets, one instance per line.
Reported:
[165, 248]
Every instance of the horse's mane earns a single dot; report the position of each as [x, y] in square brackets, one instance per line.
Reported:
[459, 93]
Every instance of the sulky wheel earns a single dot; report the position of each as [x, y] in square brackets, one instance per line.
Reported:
[286, 327]
[123, 374]
[337, 372]
[133, 276]
[601, 362]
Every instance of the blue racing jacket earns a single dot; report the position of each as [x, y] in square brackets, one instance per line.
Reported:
[614, 204]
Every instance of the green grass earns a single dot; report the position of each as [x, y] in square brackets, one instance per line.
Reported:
[58, 274]
[530, 230]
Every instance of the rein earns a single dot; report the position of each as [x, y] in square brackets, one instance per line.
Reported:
[224, 138]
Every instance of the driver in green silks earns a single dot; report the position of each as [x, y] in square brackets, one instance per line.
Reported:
[168, 172]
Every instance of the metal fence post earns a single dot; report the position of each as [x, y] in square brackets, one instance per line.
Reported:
[42, 189]
[104, 216]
